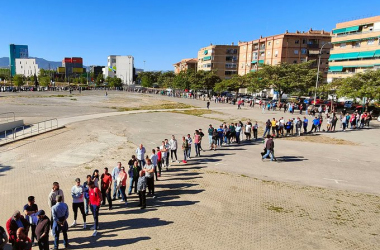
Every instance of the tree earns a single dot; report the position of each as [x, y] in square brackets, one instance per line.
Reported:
[114, 82]
[99, 79]
[18, 80]
[360, 85]
[203, 80]
[44, 81]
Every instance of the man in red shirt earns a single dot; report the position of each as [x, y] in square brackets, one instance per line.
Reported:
[95, 201]
[106, 182]
[22, 242]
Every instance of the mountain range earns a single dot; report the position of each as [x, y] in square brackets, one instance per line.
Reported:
[42, 63]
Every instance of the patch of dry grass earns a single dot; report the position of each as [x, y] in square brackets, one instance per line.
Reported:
[163, 105]
[320, 139]
[196, 112]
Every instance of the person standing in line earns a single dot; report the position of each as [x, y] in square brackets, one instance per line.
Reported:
[220, 136]
[53, 197]
[298, 126]
[305, 123]
[131, 162]
[95, 177]
[173, 148]
[200, 141]
[189, 142]
[282, 125]
[122, 184]
[115, 174]
[255, 129]
[15, 222]
[159, 163]
[60, 214]
[133, 173]
[185, 145]
[210, 133]
[333, 123]
[288, 126]
[77, 193]
[154, 160]
[42, 230]
[164, 152]
[269, 146]
[197, 139]
[140, 153]
[238, 131]
[106, 183]
[95, 201]
[149, 173]
[273, 125]
[3, 238]
[248, 128]
[268, 125]
[232, 130]
[29, 210]
[315, 125]
[141, 187]
[167, 146]
[22, 242]
[85, 194]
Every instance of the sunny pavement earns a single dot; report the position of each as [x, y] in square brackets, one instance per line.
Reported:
[215, 202]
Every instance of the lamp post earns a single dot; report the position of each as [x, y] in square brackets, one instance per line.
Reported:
[316, 82]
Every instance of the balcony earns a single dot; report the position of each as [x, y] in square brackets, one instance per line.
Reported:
[313, 46]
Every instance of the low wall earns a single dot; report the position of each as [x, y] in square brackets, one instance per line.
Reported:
[11, 125]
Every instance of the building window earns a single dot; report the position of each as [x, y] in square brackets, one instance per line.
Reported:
[297, 41]
[231, 65]
[356, 45]
[268, 53]
[269, 43]
[371, 42]
[276, 53]
[304, 41]
[245, 47]
[255, 55]
[268, 61]
[277, 41]
[296, 52]
[262, 54]
[303, 60]
[275, 61]
[230, 72]
[303, 51]
[343, 45]
[295, 61]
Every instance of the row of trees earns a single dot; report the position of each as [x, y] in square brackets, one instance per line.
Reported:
[297, 79]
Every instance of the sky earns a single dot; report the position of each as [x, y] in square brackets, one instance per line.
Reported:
[159, 32]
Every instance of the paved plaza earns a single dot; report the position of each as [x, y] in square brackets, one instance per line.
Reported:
[323, 193]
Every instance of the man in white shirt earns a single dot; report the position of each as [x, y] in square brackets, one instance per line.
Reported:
[115, 174]
[173, 145]
[149, 174]
[140, 152]
[154, 159]
[164, 153]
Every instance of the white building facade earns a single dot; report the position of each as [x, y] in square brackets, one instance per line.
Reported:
[26, 67]
[121, 67]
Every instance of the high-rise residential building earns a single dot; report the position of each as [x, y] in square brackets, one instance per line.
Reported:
[356, 48]
[121, 67]
[26, 67]
[287, 47]
[222, 58]
[16, 51]
[185, 64]
[71, 67]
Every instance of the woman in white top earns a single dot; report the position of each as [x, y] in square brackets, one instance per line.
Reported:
[247, 131]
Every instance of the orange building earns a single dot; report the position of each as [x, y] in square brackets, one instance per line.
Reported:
[185, 64]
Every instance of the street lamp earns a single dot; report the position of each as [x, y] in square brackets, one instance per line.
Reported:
[316, 82]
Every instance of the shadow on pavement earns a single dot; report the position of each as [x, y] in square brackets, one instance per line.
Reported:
[4, 169]
[99, 241]
[291, 158]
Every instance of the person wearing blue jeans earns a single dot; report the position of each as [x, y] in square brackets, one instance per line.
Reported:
[237, 131]
[60, 213]
[269, 146]
[133, 173]
[115, 174]
[189, 142]
[95, 201]
[85, 194]
[267, 128]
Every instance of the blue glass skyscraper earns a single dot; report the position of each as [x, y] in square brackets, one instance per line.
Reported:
[16, 51]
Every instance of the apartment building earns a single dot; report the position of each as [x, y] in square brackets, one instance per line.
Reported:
[288, 47]
[222, 58]
[71, 67]
[356, 48]
[185, 64]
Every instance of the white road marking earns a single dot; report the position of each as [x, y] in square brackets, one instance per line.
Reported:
[336, 181]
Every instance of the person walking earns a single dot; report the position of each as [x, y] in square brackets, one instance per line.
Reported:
[149, 173]
[60, 214]
[53, 197]
[133, 173]
[122, 184]
[105, 184]
[95, 201]
[173, 145]
[77, 192]
[269, 146]
[141, 187]
[115, 174]
[29, 210]
[42, 230]
[208, 104]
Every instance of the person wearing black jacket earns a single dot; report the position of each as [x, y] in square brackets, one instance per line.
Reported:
[42, 230]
